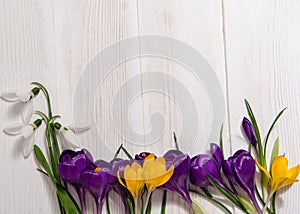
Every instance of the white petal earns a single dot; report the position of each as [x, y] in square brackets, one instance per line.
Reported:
[27, 131]
[28, 146]
[14, 129]
[23, 95]
[79, 127]
[10, 96]
[27, 112]
[70, 139]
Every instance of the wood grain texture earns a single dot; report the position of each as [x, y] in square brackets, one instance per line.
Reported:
[252, 46]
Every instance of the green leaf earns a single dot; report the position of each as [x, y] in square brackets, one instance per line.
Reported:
[127, 153]
[164, 203]
[42, 171]
[212, 200]
[271, 128]
[197, 208]
[66, 201]
[118, 151]
[221, 140]
[250, 208]
[257, 133]
[275, 151]
[42, 160]
[175, 140]
[107, 203]
[225, 193]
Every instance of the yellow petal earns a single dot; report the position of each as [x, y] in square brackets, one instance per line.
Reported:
[154, 182]
[133, 178]
[262, 169]
[293, 172]
[282, 182]
[119, 179]
[279, 167]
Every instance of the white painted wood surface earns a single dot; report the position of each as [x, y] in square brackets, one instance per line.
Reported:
[252, 46]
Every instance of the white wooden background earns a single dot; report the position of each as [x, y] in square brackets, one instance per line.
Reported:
[253, 46]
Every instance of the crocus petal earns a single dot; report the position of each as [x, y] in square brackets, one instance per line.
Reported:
[244, 172]
[249, 131]
[27, 112]
[133, 179]
[69, 139]
[262, 169]
[293, 172]
[79, 127]
[14, 129]
[10, 96]
[279, 167]
[216, 152]
[27, 131]
[28, 146]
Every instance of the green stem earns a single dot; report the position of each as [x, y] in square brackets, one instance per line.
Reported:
[267, 202]
[45, 91]
[146, 202]
[164, 202]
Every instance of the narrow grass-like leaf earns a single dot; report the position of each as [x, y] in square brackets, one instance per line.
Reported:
[129, 204]
[221, 140]
[118, 151]
[197, 208]
[42, 171]
[127, 153]
[257, 133]
[107, 204]
[66, 201]
[42, 160]
[212, 200]
[275, 151]
[274, 203]
[226, 194]
[175, 140]
[206, 192]
[164, 203]
[271, 128]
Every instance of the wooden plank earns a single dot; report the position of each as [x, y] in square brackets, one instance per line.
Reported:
[262, 53]
[199, 24]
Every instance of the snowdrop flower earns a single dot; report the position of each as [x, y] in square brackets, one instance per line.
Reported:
[20, 95]
[25, 129]
[67, 133]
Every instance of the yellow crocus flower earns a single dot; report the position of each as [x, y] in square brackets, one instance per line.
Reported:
[155, 172]
[133, 179]
[280, 175]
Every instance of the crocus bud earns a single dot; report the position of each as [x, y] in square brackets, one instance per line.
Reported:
[249, 132]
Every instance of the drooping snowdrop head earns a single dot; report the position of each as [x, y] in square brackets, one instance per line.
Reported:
[20, 95]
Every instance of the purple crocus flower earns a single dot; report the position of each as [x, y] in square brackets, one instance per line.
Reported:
[241, 171]
[249, 132]
[97, 179]
[141, 156]
[101, 178]
[179, 181]
[204, 166]
[70, 166]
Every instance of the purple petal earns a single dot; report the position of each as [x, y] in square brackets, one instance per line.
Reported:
[179, 181]
[216, 152]
[249, 132]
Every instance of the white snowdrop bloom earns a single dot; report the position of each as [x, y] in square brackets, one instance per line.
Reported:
[19, 95]
[67, 133]
[25, 129]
